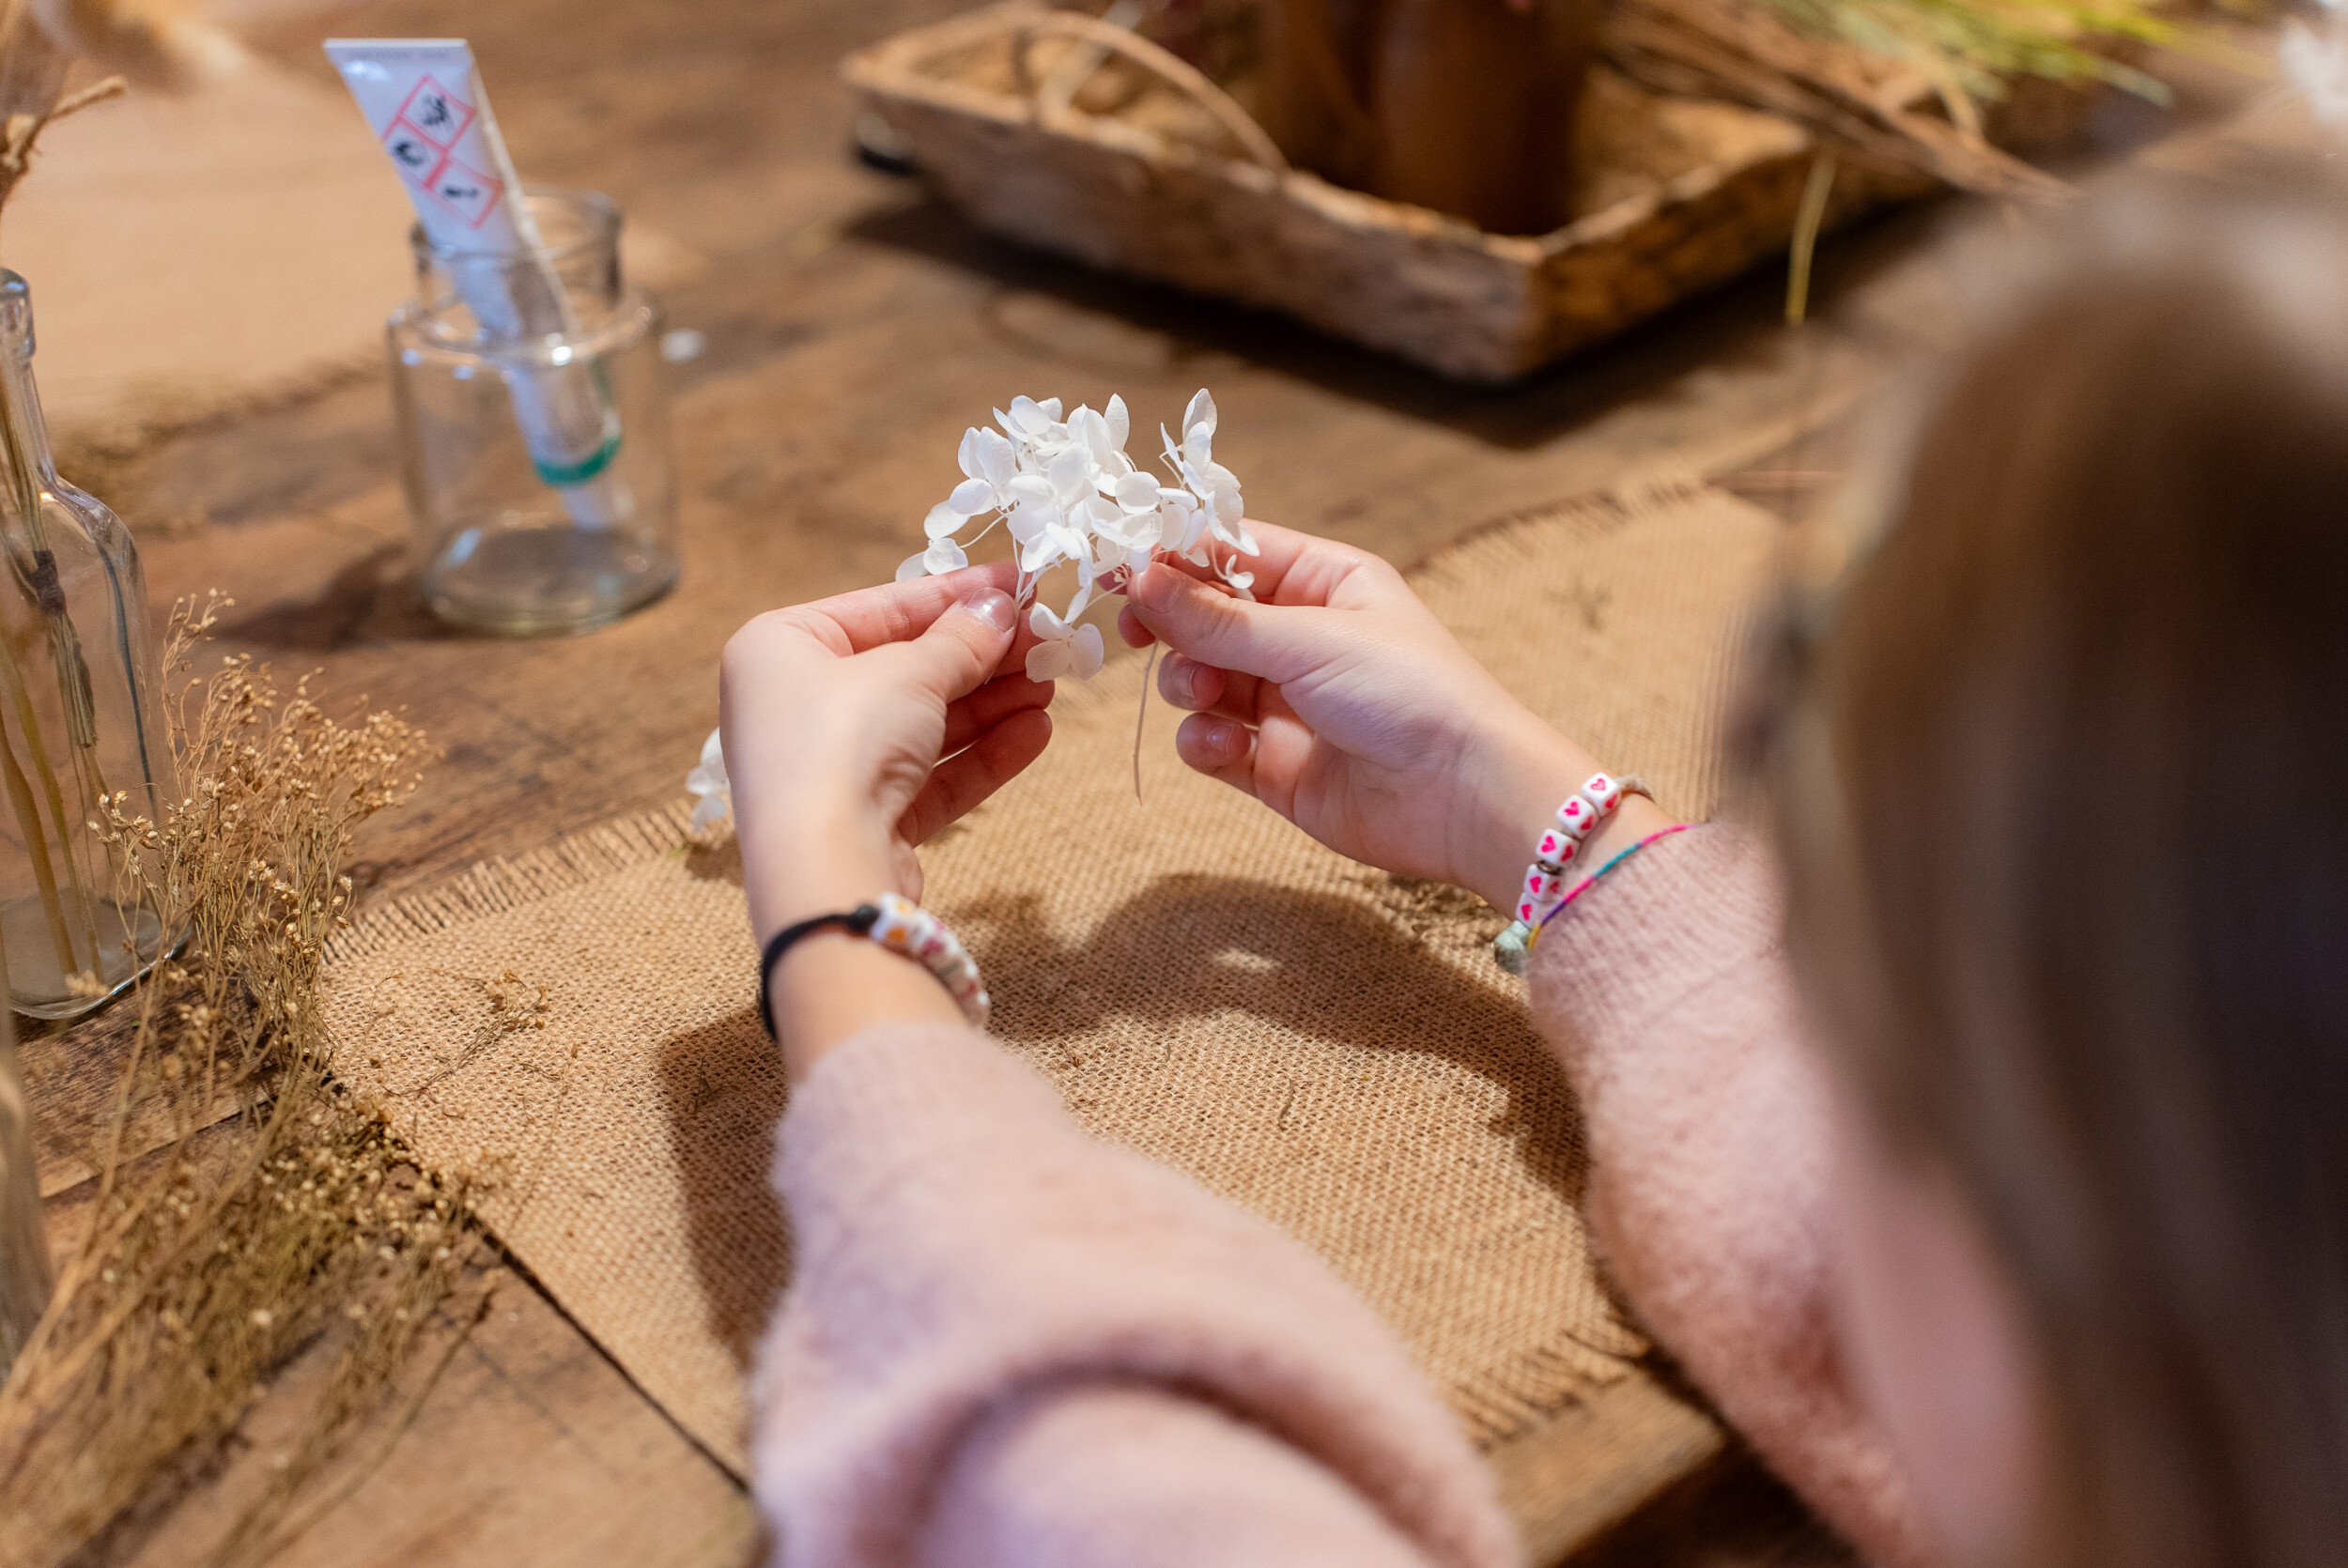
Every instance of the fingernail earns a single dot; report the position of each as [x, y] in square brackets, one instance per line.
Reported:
[1149, 590]
[993, 607]
[1223, 735]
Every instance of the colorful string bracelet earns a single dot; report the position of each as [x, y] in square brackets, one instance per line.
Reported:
[1542, 893]
[901, 926]
[1591, 881]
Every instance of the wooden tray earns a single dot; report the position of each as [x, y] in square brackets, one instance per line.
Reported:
[1150, 168]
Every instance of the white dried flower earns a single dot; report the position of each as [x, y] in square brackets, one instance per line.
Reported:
[712, 791]
[1065, 650]
[1069, 493]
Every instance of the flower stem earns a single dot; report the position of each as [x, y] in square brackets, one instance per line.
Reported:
[14, 677]
[36, 839]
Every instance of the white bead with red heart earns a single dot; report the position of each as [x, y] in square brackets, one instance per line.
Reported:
[1556, 849]
[1543, 891]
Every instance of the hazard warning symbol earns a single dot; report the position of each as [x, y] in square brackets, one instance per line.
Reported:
[422, 140]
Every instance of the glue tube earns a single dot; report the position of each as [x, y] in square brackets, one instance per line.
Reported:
[424, 102]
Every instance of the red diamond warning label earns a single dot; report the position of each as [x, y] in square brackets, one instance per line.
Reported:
[416, 157]
[434, 112]
[465, 191]
[422, 140]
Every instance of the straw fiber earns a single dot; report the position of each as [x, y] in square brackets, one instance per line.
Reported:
[1327, 1045]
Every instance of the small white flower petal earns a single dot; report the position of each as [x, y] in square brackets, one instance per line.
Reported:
[1181, 521]
[1076, 606]
[944, 520]
[999, 460]
[1051, 409]
[1085, 652]
[913, 567]
[1042, 552]
[1043, 623]
[1071, 474]
[972, 497]
[945, 556]
[1120, 423]
[1048, 661]
[970, 454]
[1200, 414]
[1137, 492]
[708, 784]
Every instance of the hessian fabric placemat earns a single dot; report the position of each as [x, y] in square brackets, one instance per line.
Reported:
[1329, 1046]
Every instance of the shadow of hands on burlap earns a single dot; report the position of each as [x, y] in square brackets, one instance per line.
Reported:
[1329, 968]
[1313, 964]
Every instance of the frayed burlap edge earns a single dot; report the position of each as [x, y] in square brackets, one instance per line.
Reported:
[492, 887]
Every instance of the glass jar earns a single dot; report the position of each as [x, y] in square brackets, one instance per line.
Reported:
[533, 428]
[25, 1273]
[80, 715]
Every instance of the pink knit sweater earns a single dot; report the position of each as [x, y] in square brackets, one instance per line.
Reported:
[1008, 1346]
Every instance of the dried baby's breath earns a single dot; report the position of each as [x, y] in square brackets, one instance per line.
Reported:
[205, 1266]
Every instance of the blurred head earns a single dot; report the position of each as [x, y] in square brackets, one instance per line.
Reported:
[2062, 790]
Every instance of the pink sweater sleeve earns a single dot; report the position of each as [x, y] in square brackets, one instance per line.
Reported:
[1665, 993]
[1006, 1342]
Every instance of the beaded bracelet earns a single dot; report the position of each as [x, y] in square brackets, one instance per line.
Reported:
[901, 926]
[1591, 881]
[1542, 894]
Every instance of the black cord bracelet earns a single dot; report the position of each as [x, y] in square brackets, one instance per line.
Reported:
[859, 921]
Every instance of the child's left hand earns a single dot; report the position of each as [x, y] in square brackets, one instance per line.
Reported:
[858, 727]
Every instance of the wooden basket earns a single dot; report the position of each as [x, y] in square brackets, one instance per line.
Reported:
[1173, 180]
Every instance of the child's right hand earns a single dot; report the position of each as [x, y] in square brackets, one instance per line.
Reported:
[1341, 703]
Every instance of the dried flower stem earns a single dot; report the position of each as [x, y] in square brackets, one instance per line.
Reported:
[204, 1266]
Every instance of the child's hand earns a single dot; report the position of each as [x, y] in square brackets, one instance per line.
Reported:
[836, 716]
[1340, 702]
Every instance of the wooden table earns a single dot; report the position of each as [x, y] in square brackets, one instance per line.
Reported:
[852, 329]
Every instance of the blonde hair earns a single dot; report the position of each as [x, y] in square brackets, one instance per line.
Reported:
[2063, 794]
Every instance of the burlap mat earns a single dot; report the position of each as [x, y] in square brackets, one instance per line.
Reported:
[1325, 1045]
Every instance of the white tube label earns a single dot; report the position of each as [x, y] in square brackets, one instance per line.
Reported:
[424, 101]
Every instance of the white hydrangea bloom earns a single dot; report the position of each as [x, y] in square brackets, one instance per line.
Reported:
[1064, 487]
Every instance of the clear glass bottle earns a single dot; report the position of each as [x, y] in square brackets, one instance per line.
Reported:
[25, 1271]
[80, 715]
[533, 428]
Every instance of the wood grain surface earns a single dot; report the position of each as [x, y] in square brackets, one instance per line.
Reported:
[852, 328]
